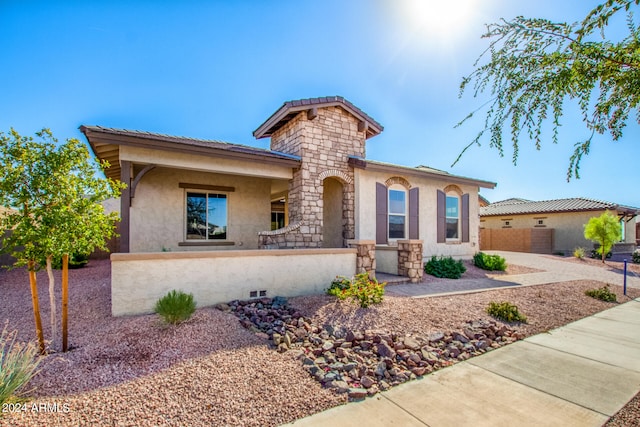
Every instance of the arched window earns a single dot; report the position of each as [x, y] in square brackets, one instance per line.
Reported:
[398, 209]
[453, 216]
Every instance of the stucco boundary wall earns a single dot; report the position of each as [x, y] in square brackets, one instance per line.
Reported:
[138, 280]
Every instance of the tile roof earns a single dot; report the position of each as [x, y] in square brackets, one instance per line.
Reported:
[187, 141]
[576, 204]
[423, 171]
[290, 109]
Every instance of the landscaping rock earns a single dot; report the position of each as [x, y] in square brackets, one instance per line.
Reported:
[357, 393]
[367, 382]
[361, 363]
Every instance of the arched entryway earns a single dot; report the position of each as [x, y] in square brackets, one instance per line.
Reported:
[332, 213]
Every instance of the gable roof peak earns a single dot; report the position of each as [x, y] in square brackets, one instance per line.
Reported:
[290, 109]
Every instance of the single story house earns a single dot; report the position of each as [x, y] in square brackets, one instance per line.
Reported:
[313, 193]
[550, 226]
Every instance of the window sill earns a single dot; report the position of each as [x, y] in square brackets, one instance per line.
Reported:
[207, 243]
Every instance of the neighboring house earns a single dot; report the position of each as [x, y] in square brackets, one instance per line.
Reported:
[549, 226]
[314, 188]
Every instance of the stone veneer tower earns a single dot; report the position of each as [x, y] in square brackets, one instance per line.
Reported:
[329, 135]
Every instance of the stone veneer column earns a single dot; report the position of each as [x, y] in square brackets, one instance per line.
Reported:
[324, 144]
[366, 256]
[410, 260]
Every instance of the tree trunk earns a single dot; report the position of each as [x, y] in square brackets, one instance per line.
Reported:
[52, 302]
[36, 306]
[65, 299]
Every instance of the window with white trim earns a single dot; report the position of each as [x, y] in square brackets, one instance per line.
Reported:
[206, 216]
[453, 217]
[397, 213]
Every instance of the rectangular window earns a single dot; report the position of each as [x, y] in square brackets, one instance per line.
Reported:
[206, 216]
[397, 214]
[277, 220]
[453, 217]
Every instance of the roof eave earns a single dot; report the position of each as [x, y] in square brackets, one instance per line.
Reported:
[386, 167]
[95, 136]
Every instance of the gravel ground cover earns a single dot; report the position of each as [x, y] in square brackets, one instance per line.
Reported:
[212, 371]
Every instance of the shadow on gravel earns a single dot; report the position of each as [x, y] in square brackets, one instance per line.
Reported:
[106, 350]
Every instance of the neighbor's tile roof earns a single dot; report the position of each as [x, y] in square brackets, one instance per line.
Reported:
[577, 204]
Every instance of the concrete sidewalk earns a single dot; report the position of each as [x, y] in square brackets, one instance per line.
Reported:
[577, 375]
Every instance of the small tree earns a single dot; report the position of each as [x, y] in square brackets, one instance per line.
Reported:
[55, 192]
[604, 230]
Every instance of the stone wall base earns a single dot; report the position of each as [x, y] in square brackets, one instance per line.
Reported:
[410, 260]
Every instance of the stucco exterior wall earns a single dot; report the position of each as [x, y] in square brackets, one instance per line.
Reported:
[365, 212]
[139, 280]
[568, 226]
[158, 210]
[387, 259]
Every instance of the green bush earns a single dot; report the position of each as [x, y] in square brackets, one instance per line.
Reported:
[175, 307]
[445, 267]
[489, 262]
[603, 294]
[506, 311]
[339, 287]
[579, 252]
[76, 260]
[361, 288]
[635, 257]
[18, 364]
[595, 254]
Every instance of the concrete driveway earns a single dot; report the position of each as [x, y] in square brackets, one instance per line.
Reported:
[554, 270]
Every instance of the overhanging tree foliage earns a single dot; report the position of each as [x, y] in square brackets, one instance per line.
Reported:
[535, 65]
[55, 194]
[604, 230]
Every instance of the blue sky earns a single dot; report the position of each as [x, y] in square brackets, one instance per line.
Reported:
[218, 69]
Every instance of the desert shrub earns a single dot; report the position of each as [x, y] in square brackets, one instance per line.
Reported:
[76, 260]
[363, 289]
[579, 252]
[635, 257]
[506, 311]
[489, 262]
[339, 286]
[445, 267]
[18, 364]
[603, 294]
[175, 307]
[594, 254]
